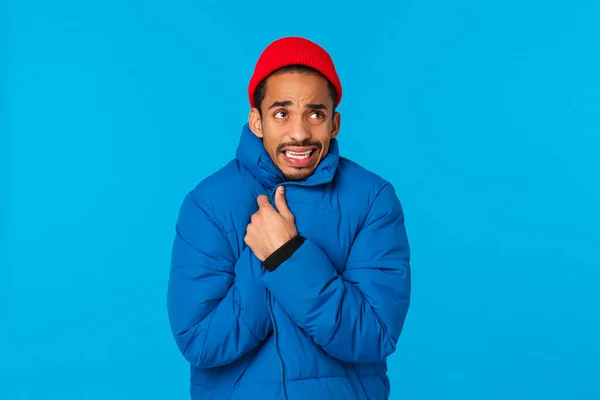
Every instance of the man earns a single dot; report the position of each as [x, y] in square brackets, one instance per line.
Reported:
[290, 274]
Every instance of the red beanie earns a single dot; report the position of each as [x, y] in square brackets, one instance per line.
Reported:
[293, 50]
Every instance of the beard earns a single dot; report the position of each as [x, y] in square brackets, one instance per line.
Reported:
[298, 175]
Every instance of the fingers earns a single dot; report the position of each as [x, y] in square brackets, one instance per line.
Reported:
[263, 201]
[281, 203]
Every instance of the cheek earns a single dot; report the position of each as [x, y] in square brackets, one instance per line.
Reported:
[270, 144]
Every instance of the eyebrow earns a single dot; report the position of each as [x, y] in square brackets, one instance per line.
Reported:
[285, 103]
[281, 104]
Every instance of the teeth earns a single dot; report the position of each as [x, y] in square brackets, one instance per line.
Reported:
[298, 156]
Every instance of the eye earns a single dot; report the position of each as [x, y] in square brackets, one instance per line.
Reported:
[317, 114]
[280, 114]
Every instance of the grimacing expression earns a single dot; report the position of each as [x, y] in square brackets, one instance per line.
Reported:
[297, 122]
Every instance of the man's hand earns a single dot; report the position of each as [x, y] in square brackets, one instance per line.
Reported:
[268, 229]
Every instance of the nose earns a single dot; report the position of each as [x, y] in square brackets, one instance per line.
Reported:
[298, 132]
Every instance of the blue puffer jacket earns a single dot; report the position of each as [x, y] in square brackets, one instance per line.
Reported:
[322, 324]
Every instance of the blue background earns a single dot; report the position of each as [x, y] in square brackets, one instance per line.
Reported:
[484, 115]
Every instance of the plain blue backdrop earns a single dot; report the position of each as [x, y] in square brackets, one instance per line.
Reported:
[484, 115]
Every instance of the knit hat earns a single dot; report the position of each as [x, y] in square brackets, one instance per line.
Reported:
[293, 50]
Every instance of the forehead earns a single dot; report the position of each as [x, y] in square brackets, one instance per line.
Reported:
[297, 86]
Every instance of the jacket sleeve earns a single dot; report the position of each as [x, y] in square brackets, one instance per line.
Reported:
[216, 304]
[357, 316]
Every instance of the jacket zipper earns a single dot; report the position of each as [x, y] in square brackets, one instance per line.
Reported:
[281, 366]
[276, 345]
[272, 315]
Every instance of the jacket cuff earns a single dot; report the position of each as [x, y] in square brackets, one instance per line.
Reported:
[283, 253]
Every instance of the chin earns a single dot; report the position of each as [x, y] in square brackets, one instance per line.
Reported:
[297, 174]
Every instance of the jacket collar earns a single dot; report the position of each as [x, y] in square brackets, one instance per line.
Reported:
[252, 155]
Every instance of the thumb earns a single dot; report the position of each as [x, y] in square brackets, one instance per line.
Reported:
[281, 203]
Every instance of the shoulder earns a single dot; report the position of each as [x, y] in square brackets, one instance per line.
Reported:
[364, 188]
[218, 184]
[357, 180]
[350, 169]
[225, 194]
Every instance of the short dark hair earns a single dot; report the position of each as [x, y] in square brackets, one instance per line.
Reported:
[261, 89]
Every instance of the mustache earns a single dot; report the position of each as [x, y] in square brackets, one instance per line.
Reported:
[305, 143]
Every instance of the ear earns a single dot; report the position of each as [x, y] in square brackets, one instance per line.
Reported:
[335, 125]
[255, 123]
